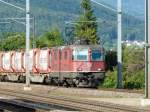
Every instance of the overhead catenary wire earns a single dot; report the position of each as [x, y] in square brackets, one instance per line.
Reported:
[105, 6]
[12, 5]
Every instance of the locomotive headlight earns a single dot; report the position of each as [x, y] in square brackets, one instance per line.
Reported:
[99, 69]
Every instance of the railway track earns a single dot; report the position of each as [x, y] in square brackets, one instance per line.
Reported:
[11, 106]
[140, 92]
[80, 105]
[99, 89]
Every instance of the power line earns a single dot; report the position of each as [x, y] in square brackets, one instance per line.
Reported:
[114, 10]
[23, 18]
[12, 5]
[5, 22]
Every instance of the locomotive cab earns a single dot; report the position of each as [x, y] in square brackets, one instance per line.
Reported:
[88, 62]
[88, 59]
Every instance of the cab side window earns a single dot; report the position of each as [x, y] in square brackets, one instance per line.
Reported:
[80, 54]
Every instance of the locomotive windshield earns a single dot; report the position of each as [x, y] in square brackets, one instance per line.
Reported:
[96, 55]
[80, 54]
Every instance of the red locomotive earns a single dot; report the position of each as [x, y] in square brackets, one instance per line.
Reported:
[74, 65]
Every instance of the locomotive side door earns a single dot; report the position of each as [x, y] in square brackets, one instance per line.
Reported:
[65, 60]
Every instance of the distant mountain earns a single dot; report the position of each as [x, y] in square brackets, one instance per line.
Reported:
[133, 7]
[49, 13]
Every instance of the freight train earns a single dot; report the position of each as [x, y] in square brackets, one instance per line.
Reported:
[73, 65]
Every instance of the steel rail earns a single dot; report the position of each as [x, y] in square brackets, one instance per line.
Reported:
[49, 100]
[83, 105]
[10, 106]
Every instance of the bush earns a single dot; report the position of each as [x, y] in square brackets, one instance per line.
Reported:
[134, 81]
[110, 79]
[133, 69]
[130, 81]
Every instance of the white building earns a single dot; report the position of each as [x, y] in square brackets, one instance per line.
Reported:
[134, 43]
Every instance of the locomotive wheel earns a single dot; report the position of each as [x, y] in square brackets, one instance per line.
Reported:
[55, 81]
[66, 84]
[76, 82]
[94, 83]
[74, 85]
[60, 82]
[22, 79]
[1, 78]
[6, 78]
[47, 80]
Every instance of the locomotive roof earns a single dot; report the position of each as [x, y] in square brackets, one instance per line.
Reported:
[77, 46]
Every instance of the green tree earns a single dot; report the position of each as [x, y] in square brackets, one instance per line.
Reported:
[86, 27]
[133, 67]
[13, 42]
[50, 39]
